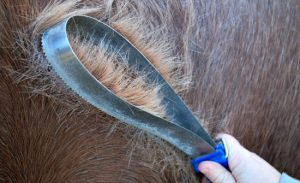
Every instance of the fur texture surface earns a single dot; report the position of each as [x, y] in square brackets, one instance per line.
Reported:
[111, 70]
[236, 63]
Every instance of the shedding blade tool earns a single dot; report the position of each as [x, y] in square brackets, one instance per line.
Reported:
[182, 129]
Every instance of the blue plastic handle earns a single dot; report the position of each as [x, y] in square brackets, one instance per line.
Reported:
[219, 156]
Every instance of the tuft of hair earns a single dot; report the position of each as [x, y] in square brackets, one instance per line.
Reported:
[111, 70]
[236, 64]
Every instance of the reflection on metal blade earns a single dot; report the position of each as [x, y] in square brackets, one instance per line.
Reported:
[184, 131]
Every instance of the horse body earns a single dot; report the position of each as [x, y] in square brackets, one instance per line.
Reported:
[236, 64]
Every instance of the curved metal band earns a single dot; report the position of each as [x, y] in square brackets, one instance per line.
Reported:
[192, 139]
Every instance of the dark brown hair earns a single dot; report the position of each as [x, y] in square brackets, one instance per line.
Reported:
[236, 63]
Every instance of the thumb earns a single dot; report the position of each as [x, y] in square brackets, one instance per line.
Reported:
[215, 172]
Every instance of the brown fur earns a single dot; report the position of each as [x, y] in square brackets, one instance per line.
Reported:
[117, 76]
[238, 63]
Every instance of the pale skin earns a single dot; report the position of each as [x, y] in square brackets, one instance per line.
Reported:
[245, 166]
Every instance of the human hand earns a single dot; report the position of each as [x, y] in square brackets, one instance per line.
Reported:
[245, 166]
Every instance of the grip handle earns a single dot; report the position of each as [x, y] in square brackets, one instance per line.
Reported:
[219, 156]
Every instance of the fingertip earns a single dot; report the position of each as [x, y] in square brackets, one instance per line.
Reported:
[215, 172]
[220, 135]
[237, 154]
[204, 167]
[227, 137]
[232, 143]
[207, 167]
